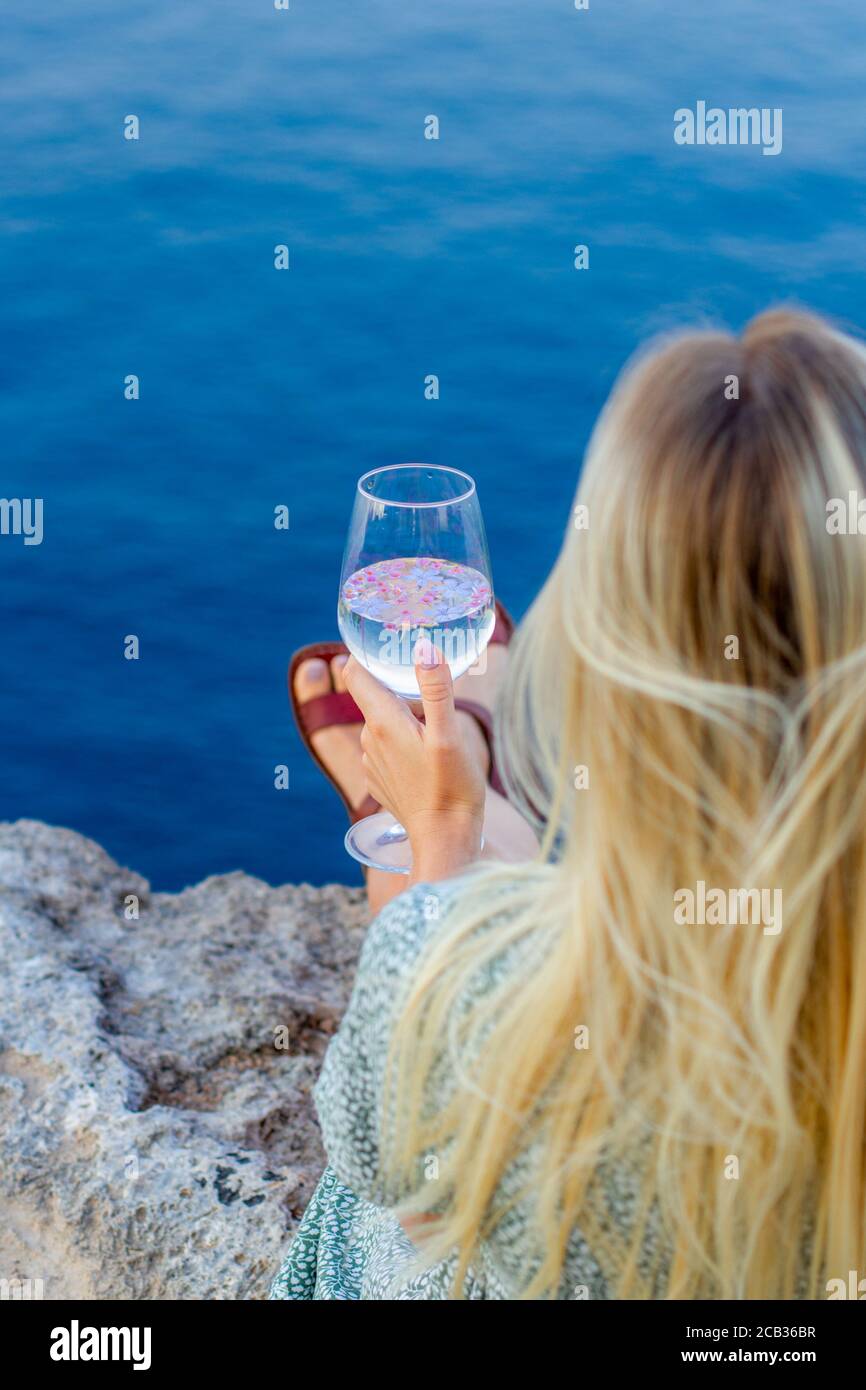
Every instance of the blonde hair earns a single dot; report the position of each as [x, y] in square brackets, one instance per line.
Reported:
[712, 1049]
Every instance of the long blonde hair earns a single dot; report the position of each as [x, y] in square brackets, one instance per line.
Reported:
[698, 657]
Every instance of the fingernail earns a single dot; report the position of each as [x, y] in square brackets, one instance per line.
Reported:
[425, 652]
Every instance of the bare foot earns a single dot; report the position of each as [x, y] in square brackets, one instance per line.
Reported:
[339, 746]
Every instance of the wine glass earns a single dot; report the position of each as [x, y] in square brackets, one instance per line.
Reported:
[416, 564]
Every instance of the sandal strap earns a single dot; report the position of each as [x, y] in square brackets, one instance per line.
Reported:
[484, 720]
[336, 707]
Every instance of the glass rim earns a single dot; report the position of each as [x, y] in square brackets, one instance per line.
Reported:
[428, 468]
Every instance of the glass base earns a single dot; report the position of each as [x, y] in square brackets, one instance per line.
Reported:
[380, 842]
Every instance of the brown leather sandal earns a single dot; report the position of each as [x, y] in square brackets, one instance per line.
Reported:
[338, 707]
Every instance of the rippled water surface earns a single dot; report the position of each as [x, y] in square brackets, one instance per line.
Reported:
[259, 388]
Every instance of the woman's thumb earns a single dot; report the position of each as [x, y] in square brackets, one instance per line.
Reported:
[437, 692]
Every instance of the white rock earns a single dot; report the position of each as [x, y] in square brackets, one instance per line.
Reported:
[154, 1142]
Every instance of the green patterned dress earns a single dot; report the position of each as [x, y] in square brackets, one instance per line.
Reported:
[349, 1245]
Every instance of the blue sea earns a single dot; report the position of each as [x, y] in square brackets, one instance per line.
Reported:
[260, 388]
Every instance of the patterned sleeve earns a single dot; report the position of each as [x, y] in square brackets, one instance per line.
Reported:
[349, 1090]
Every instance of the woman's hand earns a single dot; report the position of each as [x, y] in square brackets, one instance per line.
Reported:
[424, 774]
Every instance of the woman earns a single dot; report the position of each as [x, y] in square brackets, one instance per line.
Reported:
[552, 1082]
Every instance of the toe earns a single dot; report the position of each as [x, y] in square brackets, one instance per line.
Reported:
[312, 678]
[338, 667]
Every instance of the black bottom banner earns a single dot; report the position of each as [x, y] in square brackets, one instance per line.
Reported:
[197, 1338]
